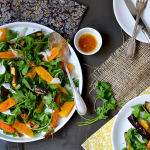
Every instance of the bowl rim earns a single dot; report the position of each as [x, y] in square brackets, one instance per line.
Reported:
[94, 51]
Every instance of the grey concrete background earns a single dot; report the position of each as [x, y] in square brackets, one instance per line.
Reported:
[100, 16]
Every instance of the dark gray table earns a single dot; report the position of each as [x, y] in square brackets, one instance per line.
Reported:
[100, 16]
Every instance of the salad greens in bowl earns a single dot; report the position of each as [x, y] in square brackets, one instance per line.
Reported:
[35, 95]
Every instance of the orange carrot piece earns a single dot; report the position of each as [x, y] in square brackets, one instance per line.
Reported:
[70, 66]
[7, 104]
[3, 32]
[55, 51]
[7, 54]
[39, 109]
[66, 109]
[54, 118]
[23, 128]
[7, 127]
[45, 75]
[62, 89]
[58, 99]
[148, 144]
[31, 73]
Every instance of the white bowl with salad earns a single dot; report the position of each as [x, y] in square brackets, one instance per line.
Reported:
[35, 96]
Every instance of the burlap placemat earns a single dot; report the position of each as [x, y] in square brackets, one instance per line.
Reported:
[128, 78]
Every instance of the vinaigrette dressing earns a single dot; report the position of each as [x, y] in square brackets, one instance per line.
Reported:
[87, 43]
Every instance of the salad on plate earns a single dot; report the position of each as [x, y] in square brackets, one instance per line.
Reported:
[138, 138]
[33, 84]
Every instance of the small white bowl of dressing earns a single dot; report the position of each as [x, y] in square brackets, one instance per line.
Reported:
[88, 41]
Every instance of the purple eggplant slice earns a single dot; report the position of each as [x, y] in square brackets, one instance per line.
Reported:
[40, 90]
[4, 92]
[139, 128]
[13, 71]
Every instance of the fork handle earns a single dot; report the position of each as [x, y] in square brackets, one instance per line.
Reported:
[135, 27]
[79, 102]
[130, 49]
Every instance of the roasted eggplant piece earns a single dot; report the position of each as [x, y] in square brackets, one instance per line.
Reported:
[40, 90]
[4, 92]
[147, 106]
[38, 33]
[139, 128]
[22, 42]
[13, 71]
[128, 148]
[19, 134]
[30, 121]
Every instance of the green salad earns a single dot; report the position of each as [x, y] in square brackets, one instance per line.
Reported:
[32, 80]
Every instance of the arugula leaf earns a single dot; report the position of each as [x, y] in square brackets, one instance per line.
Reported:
[16, 111]
[8, 77]
[10, 119]
[7, 133]
[25, 69]
[29, 42]
[10, 35]
[65, 98]
[137, 110]
[54, 105]
[48, 98]
[18, 96]
[25, 82]
[3, 46]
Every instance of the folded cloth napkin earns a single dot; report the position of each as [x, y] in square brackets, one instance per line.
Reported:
[101, 139]
[63, 16]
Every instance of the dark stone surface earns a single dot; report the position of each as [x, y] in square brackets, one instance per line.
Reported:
[100, 16]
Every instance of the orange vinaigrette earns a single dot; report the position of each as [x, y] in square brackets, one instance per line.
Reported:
[87, 43]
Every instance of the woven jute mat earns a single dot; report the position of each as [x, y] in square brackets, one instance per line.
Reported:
[128, 78]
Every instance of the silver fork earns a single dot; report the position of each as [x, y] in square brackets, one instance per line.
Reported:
[130, 49]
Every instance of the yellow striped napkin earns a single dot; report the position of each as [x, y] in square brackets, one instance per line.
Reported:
[101, 139]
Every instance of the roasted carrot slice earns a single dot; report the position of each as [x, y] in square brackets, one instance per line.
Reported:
[7, 127]
[58, 99]
[7, 104]
[55, 51]
[23, 128]
[7, 54]
[62, 89]
[70, 66]
[31, 73]
[45, 75]
[66, 109]
[39, 109]
[148, 144]
[3, 32]
[54, 119]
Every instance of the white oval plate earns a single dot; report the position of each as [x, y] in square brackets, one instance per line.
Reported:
[126, 20]
[122, 125]
[33, 27]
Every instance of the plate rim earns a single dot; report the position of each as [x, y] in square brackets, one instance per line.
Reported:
[122, 26]
[80, 79]
[123, 108]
